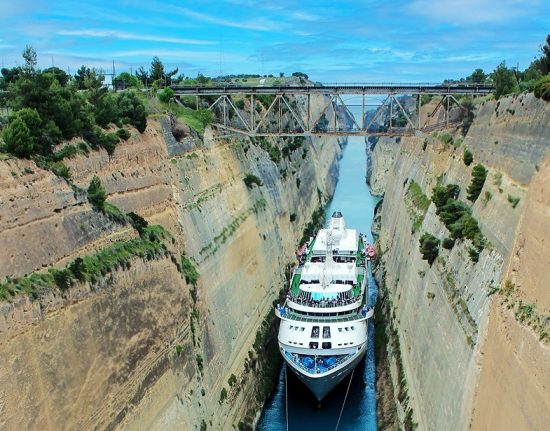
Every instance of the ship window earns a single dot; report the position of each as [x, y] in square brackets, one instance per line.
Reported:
[327, 345]
[339, 344]
[326, 331]
[313, 345]
[339, 329]
[315, 332]
[347, 329]
[301, 344]
[291, 326]
[302, 329]
[353, 328]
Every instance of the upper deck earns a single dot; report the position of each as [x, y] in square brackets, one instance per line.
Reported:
[331, 274]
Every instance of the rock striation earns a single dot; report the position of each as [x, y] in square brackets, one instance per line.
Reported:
[143, 348]
[468, 342]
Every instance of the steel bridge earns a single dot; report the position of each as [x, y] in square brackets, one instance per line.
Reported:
[317, 110]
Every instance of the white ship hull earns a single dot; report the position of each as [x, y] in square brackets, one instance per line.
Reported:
[321, 386]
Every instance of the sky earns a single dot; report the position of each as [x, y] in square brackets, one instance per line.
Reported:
[331, 41]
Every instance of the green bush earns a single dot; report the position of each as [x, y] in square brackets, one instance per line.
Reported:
[448, 243]
[429, 247]
[132, 110]
[441, 194]
[479, 174]
[468, 157]
[251, 179]
[109, 142]
[223, 395]
[189, 271]
[542, 88]
[114, 213]
[96, 193]
[138, 223]
[166, 95]
[513, 200]
[18, 139]
[60, 169]
[123, 134]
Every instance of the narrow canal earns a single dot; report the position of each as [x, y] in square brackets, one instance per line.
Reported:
[352, 197]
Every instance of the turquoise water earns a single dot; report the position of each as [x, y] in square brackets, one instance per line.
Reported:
[352, 197]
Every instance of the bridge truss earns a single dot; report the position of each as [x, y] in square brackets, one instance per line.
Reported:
[322, 110]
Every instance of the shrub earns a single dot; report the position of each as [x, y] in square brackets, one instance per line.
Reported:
[441, 194]
[200, 363]
[223, 395]
[109, 141]
[429, 247]
[132, 110]
[18, 139]
[62, 277]
[513, 200]
[189, 271]
[138, 223]
[179, 349]
[232, 380]
[479, 174]
[60, 169]
[542, 88]
[251, 179]
[123, 134]
[165, 95]
[468, 157]
[448, 243]
[114, 213]
[96, 193]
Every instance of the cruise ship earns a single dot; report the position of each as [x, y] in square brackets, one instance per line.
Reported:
[323, 328]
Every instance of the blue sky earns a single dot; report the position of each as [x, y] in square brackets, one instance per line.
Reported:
[353, 41]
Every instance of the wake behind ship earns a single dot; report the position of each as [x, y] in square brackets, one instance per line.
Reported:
[323, 329]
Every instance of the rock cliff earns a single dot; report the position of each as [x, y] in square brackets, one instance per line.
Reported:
[468, 341]
[142, 348]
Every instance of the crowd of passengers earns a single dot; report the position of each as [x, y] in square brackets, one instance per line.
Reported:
[305, 298]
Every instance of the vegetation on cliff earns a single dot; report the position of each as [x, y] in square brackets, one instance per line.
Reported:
[49, 106]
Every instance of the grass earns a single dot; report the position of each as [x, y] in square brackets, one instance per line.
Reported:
[420, 203]
[89, 268]
[189, 271]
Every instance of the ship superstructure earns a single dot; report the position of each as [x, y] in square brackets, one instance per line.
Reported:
[323, 329]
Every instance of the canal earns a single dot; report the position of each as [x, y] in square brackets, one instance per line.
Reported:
[352, 197]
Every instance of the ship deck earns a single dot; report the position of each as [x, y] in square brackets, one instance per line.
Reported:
[360, 261]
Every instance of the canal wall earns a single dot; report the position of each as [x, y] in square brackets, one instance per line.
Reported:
[148, 345]
[467, 341]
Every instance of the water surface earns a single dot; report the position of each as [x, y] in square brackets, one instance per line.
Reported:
[352, 197]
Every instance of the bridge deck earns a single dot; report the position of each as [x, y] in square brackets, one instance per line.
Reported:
[458, 89]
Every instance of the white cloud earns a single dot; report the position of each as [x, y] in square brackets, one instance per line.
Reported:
[305, 16]
[258, 24]
[132, 36]
[472, 11]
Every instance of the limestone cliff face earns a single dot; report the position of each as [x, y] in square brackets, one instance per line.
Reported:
[142, 349]
[471, 336]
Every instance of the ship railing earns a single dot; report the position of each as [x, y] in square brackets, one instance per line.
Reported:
[317, 369]
[323, 303]
[285, 313]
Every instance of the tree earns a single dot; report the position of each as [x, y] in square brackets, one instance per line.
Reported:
[18, 138]
[31, 59]
[543, 62]
[468, 157]
[477, 75]
[89, 79]
[165, 95]
[132, 110]
[142, 75]
[429, 247]
[505, 80]
[96, 193]
[156, 72]
[128, 80]
[479, 174]
[58, 74]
